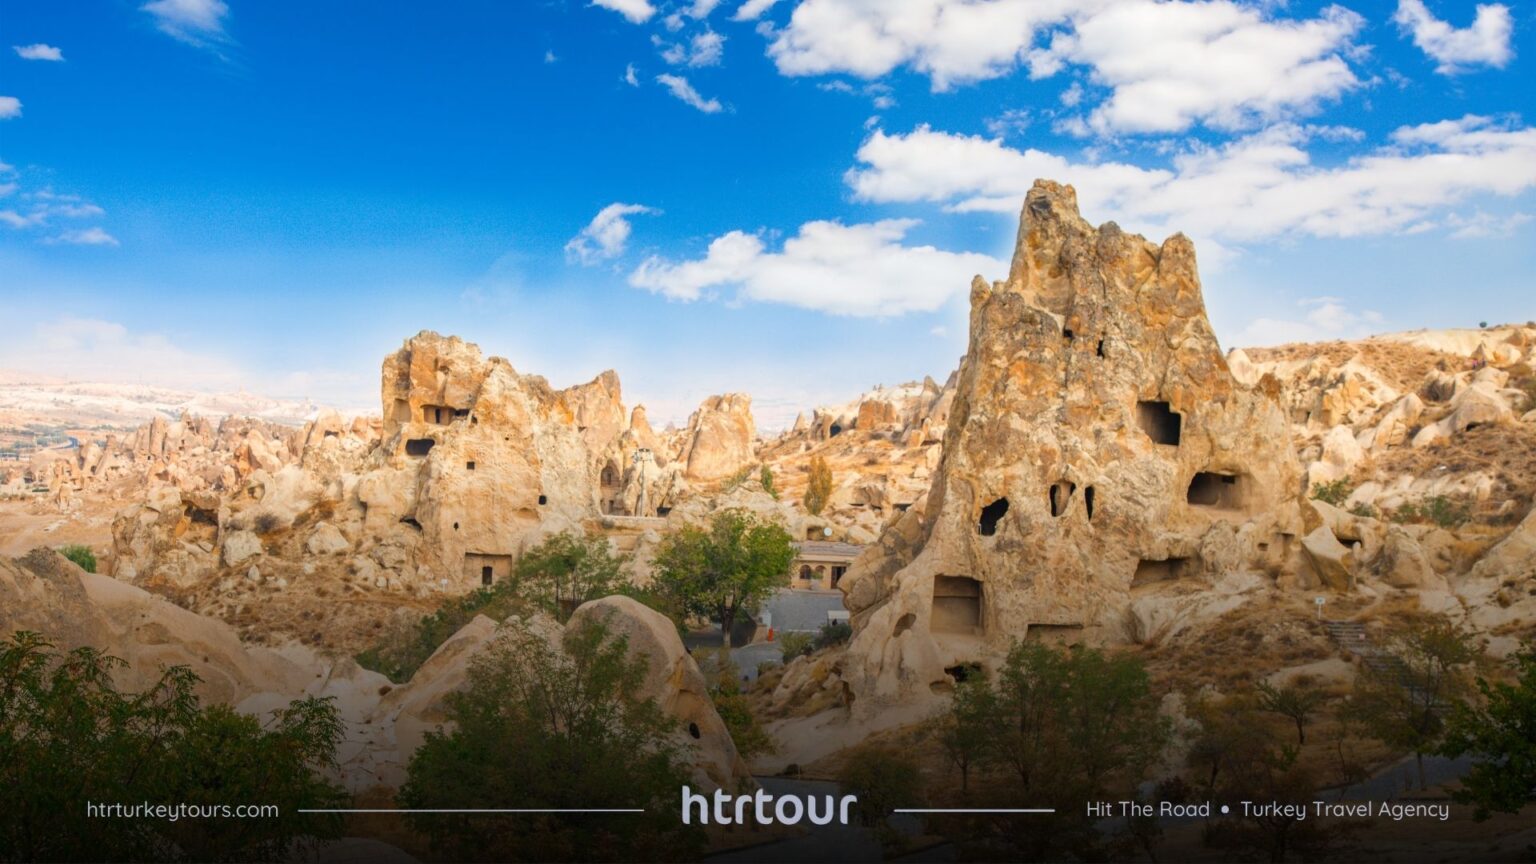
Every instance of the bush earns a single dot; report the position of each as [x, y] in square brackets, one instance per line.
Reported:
[1437, 509]
[402, 651]
[884, 778]
[1364, 510]
[541, 727]
[765, 478]
[266, 523]
[81, 555]
[833, 633]
[1335, 493]
[796, 645]
[68, 736]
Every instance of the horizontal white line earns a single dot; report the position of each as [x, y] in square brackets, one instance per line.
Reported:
[970, 810]
[484, 810]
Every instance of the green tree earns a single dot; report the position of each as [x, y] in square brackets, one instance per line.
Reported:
[1403, 701]
[765, 477]
[818, 487]
[1501, 738]
[966, 730]
[403, 648]
[69, 737]
[1071, 718]
[734, 708]
[541, 727]
[567, 570]
[884, 778]
[720, 570]
[1296, 701]
[81, 555]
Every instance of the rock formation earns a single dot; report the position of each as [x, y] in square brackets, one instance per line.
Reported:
[1097, 447]
[719, 439]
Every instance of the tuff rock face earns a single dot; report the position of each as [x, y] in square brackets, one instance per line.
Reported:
[719, 439]
[1097, 448]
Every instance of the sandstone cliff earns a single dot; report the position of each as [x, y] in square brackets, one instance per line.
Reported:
[1097, 446]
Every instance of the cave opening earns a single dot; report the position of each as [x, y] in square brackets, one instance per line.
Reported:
[991, 515]
[1161, 423]
[1061, 496]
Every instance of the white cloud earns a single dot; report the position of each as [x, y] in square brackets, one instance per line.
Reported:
[702, 49]
[1484, 42]
[1168, 65]
[10, 107]
[1013, 121]
[195, 22]
[1480, 224]
[752, 10]
[702, 9]
[91, 349]
[549, 57]
[1255, 187]
[629, 75]
[16, 220]
[1172, 65]
[606, 236]
[94, 236]
[680, 88]
[1327, 318]
[860, 270]
[635, 11]
[39, 51]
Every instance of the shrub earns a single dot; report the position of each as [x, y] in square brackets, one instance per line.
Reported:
[402, 651]
[81, 555]
[833, 633]
[68, 736]
[884, 778]
[541, 727]
[1364, 510]
[266, 523]
[765, 477]
[1437, 509]
[1335, 493]
[796, 645]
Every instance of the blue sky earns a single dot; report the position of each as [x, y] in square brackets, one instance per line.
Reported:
[787, 198]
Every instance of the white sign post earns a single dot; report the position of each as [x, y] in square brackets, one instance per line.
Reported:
[1320, 601]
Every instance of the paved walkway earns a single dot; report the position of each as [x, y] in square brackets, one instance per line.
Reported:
[802, 611]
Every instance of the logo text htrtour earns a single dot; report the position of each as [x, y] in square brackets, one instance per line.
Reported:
[765, 809]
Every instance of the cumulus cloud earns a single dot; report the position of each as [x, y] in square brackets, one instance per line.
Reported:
[630, 77]
[39, 51]
[195, 22]
[678, 86]
[93, 236]
[1325, 319]
[635, 11]
[1172, 65]
[606, 236]
[10, 107]
[1255, 187]
[1168, 65]
[752, 10]
[859, 270]
[1485, 42]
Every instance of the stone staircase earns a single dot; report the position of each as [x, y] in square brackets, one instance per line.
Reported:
[1351, 636]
